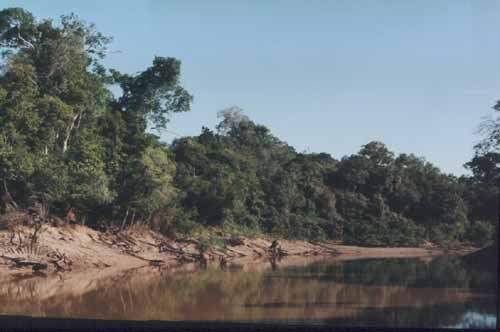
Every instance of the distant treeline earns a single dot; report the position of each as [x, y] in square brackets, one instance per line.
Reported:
[68, 143]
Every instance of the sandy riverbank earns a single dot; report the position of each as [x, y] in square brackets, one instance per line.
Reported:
[71, 249]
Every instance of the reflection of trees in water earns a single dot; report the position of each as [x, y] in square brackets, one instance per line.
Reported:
[438, 315]
[410, 272]
[374, 290]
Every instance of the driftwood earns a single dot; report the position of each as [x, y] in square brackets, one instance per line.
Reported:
[154, 262]
[190, 241]
[19, 262]
[183, 256]
[14, 259]
[234, 241]
[126, 239]
[168, 248]
[22, 263]
[60, 261]
[149, 243]
[39, 266]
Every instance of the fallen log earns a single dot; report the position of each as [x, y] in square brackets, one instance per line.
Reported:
[148, 243]
[126, 239]
[156, 262]
[166, 247]
[39, 266]
[14, 259]
[22, 263]
[19, 262]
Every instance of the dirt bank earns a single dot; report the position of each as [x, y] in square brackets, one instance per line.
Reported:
[69, 249]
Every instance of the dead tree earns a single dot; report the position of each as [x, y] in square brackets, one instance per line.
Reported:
[36, 233]
[7, 202]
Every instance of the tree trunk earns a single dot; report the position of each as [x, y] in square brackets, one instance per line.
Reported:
[74, 124]
[6, 199]
[124, 220]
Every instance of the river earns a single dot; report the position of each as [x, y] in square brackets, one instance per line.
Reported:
[401, 292]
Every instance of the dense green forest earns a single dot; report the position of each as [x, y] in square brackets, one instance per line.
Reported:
[67, 142]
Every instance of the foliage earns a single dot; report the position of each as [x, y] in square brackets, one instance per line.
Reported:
[67, 141]
[480, 233]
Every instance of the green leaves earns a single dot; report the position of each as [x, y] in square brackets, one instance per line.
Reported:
[244, 175]
[154, 94]
[88, 182]
[64, 139]
[157, 188]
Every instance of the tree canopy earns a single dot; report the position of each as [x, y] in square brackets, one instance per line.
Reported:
[67, 141]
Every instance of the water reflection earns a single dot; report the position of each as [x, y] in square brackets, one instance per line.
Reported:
[474, 319]
[441, 272]
[376, 292]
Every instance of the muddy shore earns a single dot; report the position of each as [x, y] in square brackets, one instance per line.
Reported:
[77, 249]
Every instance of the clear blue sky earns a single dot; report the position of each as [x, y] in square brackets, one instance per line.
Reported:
[326, 76]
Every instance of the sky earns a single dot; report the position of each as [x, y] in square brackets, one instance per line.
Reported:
[324, 76]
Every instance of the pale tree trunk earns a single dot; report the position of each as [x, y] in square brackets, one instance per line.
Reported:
[6, 198]
[74, 125]
[124, 220]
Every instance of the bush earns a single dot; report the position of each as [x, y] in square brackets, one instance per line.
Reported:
[401, 231]
[480, 233]
[445, 235]
[185, 226]
[241, 230]
[303, 227]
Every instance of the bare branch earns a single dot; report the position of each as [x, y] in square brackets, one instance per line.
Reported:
[25, 42]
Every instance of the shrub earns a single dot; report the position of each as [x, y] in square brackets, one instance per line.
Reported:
[480, 233]
[445, 235]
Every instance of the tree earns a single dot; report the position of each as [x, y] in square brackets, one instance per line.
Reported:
[482, 190]
[65, 138]
[67, 141]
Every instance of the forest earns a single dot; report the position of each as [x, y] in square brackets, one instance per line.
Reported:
[70, 143]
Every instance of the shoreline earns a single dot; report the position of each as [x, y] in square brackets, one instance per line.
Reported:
[72, 249]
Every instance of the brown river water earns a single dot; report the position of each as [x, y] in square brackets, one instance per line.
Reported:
[403, 292]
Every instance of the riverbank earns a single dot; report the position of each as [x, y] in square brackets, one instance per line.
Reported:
[72, 248]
